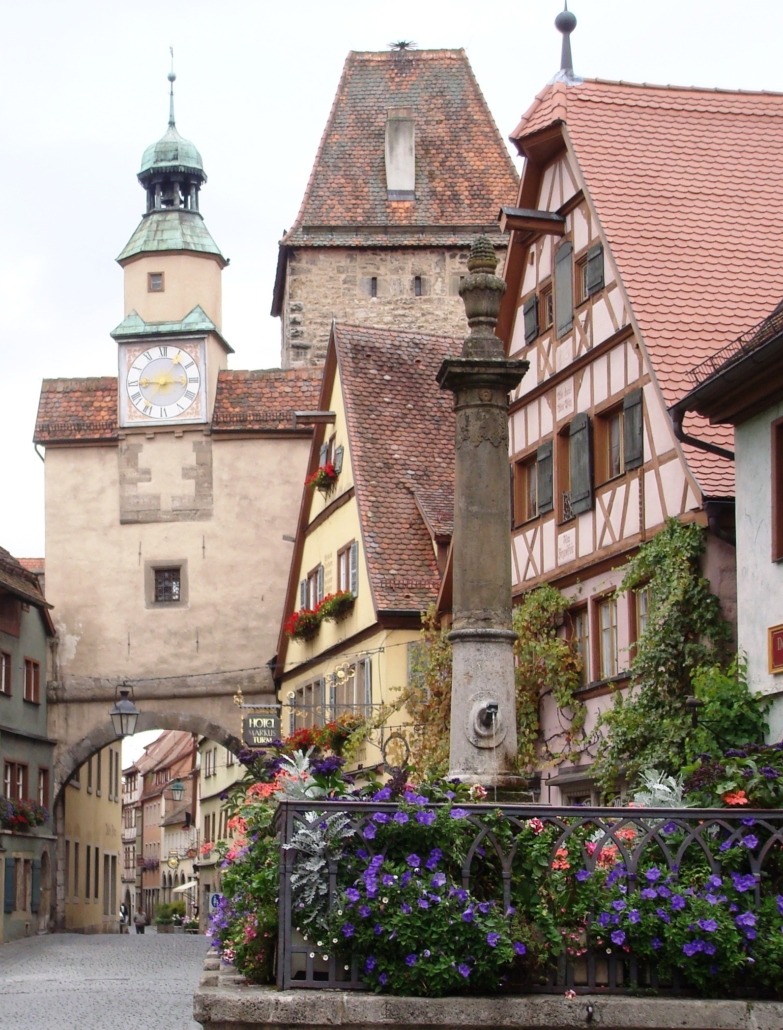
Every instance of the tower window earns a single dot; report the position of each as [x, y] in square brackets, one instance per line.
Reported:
[166, 585]
[374, 286]
[155, 282]
[417, 286]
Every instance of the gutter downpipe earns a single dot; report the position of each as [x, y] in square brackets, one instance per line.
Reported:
[677, 415]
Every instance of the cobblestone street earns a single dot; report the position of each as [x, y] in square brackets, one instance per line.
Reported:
[100, 982]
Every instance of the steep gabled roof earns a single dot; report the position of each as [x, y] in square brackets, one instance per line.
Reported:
[463, 170]
[400, 431]
[685, 185]
[85, 410]
[400, 428]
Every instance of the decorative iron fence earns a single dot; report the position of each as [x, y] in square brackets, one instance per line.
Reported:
[604, 878]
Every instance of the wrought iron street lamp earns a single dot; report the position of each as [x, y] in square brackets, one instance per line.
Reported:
[177, 789]
[124, 715]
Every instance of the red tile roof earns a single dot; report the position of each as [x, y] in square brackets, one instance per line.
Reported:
[264, 401]
[685, 185]
[85, 410]
[17, 580]
[401, 432]
[463, 170]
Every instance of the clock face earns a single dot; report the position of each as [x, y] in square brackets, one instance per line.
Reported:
[163, 382]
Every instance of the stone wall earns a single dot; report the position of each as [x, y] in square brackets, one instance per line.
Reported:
[224, 1002]
[412, 288]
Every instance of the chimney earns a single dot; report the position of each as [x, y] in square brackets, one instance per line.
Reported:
[400, 154]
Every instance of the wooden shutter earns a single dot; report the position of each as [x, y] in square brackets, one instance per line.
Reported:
[633, 432]
[302, 593]
[338, 459]
[544, 474]
[35, 893]
[9, 894]
[530, 313]
[564, 288]
[324, 455]
[595, 269]
[320, 582]
[367, 700]
[354, 569]
[579, 453]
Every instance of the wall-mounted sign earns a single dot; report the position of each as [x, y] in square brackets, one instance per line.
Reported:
[775, 638]
[261, 729]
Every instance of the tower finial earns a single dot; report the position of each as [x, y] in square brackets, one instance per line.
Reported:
[172, 78]
[565, 22]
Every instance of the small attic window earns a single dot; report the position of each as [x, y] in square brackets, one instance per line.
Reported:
[155, 282]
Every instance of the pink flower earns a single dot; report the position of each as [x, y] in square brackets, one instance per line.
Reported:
[535, 825]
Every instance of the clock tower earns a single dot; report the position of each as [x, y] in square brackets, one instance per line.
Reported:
[170, 343]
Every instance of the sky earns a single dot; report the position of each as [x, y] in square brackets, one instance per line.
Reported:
[84, 91]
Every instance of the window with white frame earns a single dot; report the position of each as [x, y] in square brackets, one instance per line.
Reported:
[347, 568]
[311, 589]
[606, 614]
[351, 690]
[5, 673]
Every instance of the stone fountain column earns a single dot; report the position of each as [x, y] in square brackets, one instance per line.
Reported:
[483, 743]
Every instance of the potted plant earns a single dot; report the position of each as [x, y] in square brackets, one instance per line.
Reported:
[324, 477]
[335, 607]
[303, 624]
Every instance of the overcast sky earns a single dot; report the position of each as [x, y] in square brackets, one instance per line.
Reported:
[84, 91]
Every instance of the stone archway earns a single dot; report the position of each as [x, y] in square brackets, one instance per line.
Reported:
[69, 758]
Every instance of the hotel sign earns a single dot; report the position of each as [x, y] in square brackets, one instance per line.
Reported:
[261, 729]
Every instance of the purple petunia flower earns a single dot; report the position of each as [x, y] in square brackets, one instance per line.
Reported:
[670, 827]
[618, 937]
[743, 882]
[664, 892]
[620, 905]
[369, 832]
[582, 875]
[463, 970]
[458, 813]
[352, 894]
[411, 960]
[750, 842]
[400, 818]
[485, 906]
[384, 794]
[405, 908]
[438, 880]
[370, 963]
[435, 857]
[377, 929]
[710, 947]
[649, 894]
[492, 939]
[383, 979]
[365, 911]
[519, 948]
[426, 817]
[693, 947]
[460, 894]
[709, 925]
[413, 861]
[633, 916]
[746, 920]
[750, 821]
[348, 929]
[663, 915]
[381, 818]
[779, 900]
[605, 919]
[652, 874]
[423, 903]
[677, 902]
[467, 915]
[388, 880]
[713, 882]
[768, 772]
[656, 943]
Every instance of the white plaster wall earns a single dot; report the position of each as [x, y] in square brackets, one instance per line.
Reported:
[759, 579]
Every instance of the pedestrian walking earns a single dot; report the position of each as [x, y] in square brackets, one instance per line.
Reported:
[139, 920]
[124, 917]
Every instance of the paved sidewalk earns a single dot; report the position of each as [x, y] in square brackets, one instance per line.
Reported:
[100, 981]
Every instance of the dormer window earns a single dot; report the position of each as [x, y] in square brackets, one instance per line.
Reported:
[400, 154]
[155, 282]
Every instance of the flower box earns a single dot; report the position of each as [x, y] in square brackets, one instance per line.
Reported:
[324, 477]
[302, 624]
[335, 607]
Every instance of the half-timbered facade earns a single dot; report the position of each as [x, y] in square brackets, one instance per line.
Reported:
[631, 208]
[374, 528]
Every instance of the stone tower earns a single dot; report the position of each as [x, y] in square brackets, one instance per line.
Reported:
[409, 169]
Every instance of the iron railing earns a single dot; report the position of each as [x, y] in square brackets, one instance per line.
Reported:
[637, 838]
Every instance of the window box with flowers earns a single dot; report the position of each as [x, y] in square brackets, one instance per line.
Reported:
[324, 477]
[22, 815]
[302, 624]
[335, 607]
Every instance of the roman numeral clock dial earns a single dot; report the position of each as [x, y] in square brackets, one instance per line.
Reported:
[163, 382]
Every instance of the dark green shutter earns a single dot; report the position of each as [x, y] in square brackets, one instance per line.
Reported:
[633, 431]
[595, 269]
[564, 289]
[9, 894]
[544, 474]
[530, 312]
[35, 900]
[581, 465]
